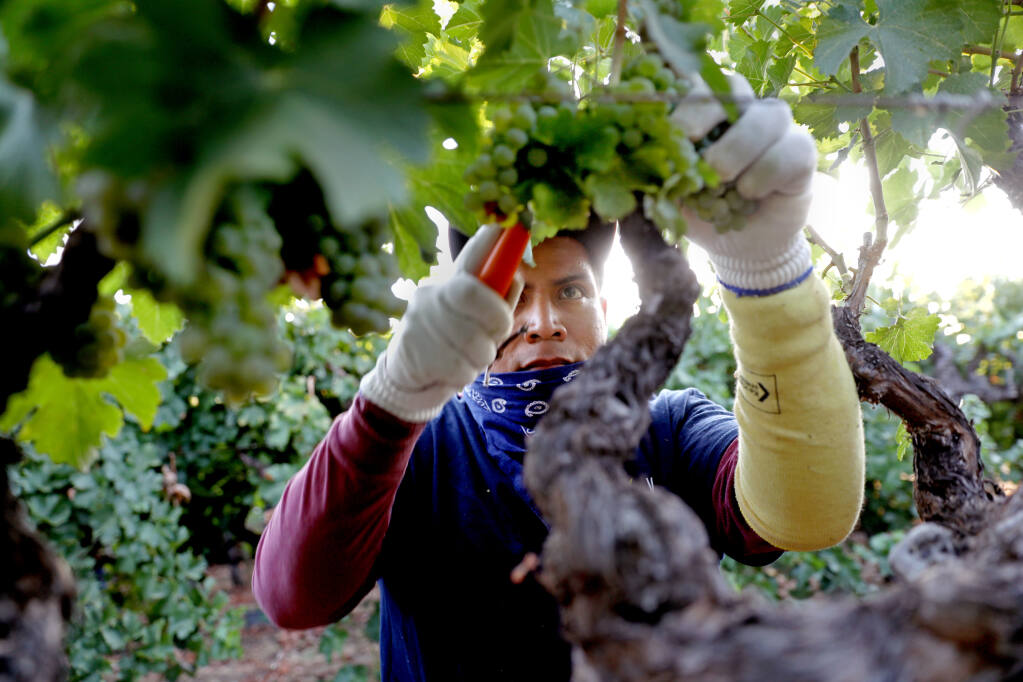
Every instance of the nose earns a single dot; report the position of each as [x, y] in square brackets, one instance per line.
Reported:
[542, 321]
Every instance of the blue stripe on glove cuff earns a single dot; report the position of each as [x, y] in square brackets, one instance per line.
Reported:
[739, 291]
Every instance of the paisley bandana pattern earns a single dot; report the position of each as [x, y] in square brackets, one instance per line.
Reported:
[509, 405]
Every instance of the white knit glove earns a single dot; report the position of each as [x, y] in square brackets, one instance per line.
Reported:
[449, 334]
[771, 160]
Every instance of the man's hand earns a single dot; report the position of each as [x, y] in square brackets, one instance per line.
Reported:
[771, 160]
[449, 335]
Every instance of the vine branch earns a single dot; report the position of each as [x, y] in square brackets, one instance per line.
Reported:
[837, 259]
[872, 249]
[619, 47]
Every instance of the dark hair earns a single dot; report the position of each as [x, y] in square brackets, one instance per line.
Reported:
[596, 238]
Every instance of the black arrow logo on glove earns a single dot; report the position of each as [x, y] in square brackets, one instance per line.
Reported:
[765, 393]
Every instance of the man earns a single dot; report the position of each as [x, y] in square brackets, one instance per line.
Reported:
[419, 484]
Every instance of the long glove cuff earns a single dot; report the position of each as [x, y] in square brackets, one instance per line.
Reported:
[416, 407]
[761, 274]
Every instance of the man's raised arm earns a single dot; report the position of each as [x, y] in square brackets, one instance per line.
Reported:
[315, 559]
[800, 471]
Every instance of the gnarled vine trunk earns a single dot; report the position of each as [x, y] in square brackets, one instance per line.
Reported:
[641, 594]
[36, 591]
[36, 586]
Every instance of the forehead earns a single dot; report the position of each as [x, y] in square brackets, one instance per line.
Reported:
[557, 258]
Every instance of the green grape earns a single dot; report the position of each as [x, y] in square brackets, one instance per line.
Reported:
[546, 113]
[647, 65]
[640, 85]
[485, 167]
[330, 247]
[537, 157]
[722, 206]
[516, 138]
[338, 291]
[611, 133]
[501, 118]
[649, 124]
[364, 290]
[508, 204]
[664, 78]
[368, 266]
[503, 155]
[489, 191]
[632, 138]
[508, 177]
[94, 346]
[625, 116]
[524, 116]
[345, 263]
[357, 241]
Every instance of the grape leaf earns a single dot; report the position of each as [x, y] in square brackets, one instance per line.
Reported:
[26, 180]
[157, 321]
[411, 226]
[538, 35]
[902, 202]
[48, 215]
[67, 418]
[134, 384]
[415, 23]
[910, 338]
[741, 10]
[908, 34]
[979, 18]
[902, 441]
[553, 210]
[345, 124]
[988, 129]
[891, 147]
[464, 25]
[612, 199]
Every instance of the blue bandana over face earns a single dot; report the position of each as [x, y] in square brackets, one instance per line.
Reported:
[510, 404]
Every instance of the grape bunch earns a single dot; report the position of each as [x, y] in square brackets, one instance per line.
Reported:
[555, 156]
[352, 267]
[357, 288]
[722, 206]
[94, 346]
[232, 330]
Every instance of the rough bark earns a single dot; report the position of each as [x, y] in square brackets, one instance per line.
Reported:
[36, 587]
[641, 594]
[949, 486]
[36, 591]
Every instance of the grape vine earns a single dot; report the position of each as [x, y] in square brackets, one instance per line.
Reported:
[558, 158]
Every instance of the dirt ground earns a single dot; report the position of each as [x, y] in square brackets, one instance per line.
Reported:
[275, 655]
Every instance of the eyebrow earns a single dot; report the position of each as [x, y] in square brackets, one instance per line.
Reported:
[574, 277]
[561, 281]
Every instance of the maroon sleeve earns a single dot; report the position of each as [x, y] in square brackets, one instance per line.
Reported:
[315, 559]
[734, 536]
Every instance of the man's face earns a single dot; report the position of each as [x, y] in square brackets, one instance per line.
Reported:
[560, 308]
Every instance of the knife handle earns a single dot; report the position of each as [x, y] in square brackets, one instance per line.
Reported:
[498, 269]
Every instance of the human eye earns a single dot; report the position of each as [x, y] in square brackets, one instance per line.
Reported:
[572, 291]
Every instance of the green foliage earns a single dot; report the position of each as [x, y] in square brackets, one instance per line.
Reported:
[910, 338]
[235, 459]
[67, 418]
[152, 118]
[143, 600]
[908, 34]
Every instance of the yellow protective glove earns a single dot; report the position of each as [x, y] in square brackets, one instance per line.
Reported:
[800, 474]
